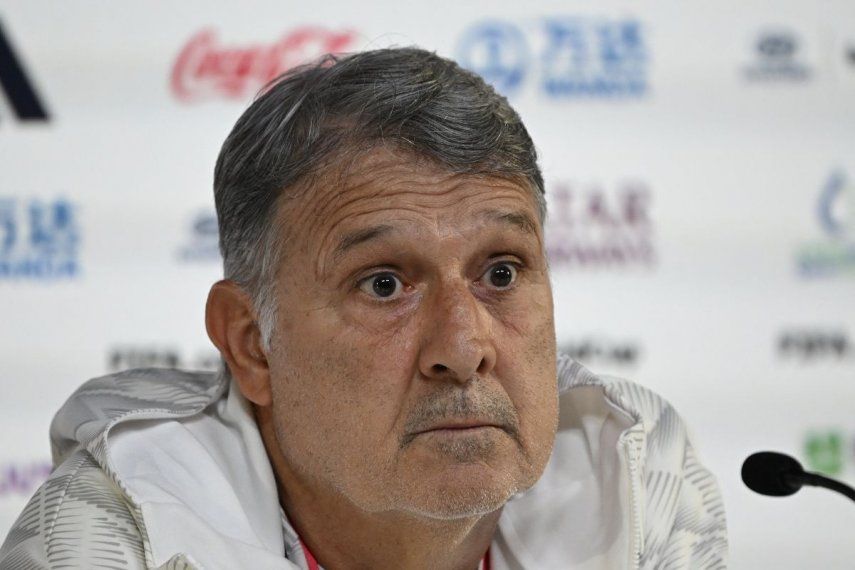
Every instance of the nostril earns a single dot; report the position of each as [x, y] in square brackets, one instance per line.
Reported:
[439, 368]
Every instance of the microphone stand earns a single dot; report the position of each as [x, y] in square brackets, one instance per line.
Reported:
[796, 480]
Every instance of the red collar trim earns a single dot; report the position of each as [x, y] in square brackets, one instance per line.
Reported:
[312, 563]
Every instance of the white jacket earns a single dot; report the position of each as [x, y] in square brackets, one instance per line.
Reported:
[166, 469]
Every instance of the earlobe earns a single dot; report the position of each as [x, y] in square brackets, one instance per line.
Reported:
[232, 326]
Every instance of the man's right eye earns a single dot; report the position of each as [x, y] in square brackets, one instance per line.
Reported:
[382, 285]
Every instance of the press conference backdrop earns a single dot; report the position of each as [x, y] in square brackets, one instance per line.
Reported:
[700, 166]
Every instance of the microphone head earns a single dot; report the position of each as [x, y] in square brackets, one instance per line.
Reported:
[770, 473]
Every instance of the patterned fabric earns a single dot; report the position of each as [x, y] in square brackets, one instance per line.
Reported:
[77, 519]
[684, 518]
[84, 516]
[80, 517]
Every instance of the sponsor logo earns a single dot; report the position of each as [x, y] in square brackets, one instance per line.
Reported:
[135, 356]
[835, 211]
[597, 351]
[592, 226]
[497, 51]
[844, 60]
[205, 68]
[38, 240]
[815, 345]
[23, 479]
[16, 85]
[576, 57]
[827, 451]
[203, 242]
[776, 58]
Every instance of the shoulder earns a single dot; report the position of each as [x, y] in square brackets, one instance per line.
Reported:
[684, 514]
[643, 403]
[77, 518]
[100, 402]
[653, 419]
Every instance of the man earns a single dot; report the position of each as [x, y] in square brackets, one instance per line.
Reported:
[391, 395]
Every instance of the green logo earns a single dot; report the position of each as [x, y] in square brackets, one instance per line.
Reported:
[835, 254]
[824, 452]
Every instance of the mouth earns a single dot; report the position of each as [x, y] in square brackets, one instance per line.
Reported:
[460, 426]
[456, 428]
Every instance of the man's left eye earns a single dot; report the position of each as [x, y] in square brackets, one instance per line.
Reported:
[501, 275]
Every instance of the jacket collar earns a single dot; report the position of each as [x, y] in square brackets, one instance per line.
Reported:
[103, 417]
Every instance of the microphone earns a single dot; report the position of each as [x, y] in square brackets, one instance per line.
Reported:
[779, 475]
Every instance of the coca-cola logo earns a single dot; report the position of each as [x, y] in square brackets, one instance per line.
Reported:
[205, 68]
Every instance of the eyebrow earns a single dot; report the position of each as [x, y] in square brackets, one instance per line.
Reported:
[354, 238]
[521, 220]
[518, 219]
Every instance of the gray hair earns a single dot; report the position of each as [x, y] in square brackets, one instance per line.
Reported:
[408, 98]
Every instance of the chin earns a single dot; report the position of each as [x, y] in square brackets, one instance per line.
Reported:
[469, 501]
[463, 490]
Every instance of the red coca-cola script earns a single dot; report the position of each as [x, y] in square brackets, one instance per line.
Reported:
[205, 68]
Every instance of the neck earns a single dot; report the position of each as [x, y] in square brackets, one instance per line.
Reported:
[340, 535]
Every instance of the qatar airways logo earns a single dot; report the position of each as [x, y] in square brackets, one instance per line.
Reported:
[206, 68]
[599, 226]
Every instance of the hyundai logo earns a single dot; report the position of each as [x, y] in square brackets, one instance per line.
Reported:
[778, 46]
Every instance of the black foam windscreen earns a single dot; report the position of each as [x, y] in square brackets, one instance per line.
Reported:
[770, 473]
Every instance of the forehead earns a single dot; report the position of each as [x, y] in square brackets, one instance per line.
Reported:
[381, 186]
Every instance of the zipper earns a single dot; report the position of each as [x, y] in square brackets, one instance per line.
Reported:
[636, 536]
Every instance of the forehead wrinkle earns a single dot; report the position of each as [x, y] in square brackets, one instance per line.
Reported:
[418, 188]
[346, 201]
[431, 215]
[517, 220]
[388, 225]
[312, 206]
[388, 171]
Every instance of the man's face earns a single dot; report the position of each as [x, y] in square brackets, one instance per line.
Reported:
[413, 362]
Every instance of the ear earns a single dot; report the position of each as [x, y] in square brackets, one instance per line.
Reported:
[233, 328]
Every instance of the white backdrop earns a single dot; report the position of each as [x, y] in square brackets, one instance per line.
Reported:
[700, 161]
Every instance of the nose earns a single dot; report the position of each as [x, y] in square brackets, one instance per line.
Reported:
[458, 341]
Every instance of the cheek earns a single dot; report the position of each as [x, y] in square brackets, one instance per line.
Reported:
[534, 391]
[338, 383]
[379, 324]
[524, 313]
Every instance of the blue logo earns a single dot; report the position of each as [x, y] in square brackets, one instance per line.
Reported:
[836, 206]
[498, 52]
[579, 57]
[38, 240]
[203, 243]
[594, 59]
[836, 214]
